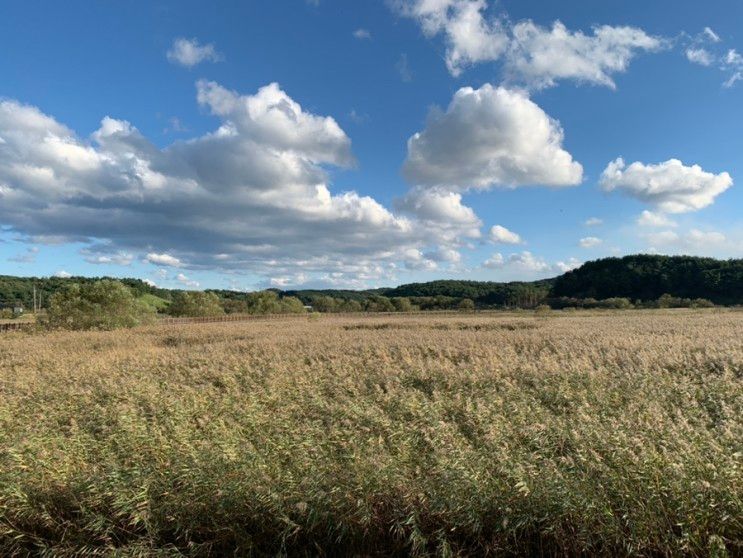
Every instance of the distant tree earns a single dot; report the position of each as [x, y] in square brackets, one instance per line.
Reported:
[291, 305]
[104, 304]
[402, 304]
[466, 304]
[195, 304]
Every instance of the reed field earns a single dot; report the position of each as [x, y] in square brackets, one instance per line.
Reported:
[617, 433]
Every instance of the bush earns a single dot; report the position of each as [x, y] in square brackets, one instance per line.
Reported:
[466, 304]
[195, 304]
[543, 310]
[104, 304]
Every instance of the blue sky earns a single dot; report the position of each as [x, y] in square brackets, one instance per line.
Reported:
[404, 140]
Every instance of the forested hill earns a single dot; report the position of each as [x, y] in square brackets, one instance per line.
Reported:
[647, 277]
[642, 277]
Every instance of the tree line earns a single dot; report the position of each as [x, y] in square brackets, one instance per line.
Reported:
[643, 281]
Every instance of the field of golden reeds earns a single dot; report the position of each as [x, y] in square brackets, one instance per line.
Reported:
[566, 434]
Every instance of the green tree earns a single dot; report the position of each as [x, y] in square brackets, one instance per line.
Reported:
[291, 305]
[104, 304]
[195, 304]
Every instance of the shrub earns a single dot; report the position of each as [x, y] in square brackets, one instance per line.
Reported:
[542, 310]
[104, 304]
[195, 304]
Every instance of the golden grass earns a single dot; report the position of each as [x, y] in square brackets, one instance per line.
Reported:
[615, 434]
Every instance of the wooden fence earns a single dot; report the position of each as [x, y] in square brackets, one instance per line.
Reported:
[15, 326]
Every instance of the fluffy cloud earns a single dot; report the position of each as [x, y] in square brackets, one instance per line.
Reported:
[362, 34]
[652, 219]
[590, 242]
[700, 56]
[501, 235]
[669, 186]
[442, 213]
[189, 53]
[487, 137]
[251, 196]
[532, 54]
[593, 222]
[541, 57]
[62, 274]
[163, 259]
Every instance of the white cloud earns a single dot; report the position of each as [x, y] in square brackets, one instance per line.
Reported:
[118, 258]
[362, 34]
[527, 264]
[416, 260]
[700, 56]
[569, 265]
[593, 222]
[189, 53]
[441, 213]
[652, 219]
[186, 281]
[251, 196]
[501, 235]
[590, 242]
[443, 254]
[693, 241]
[163, 259]
[149, 282]
[62, 274]
[541, 57]
[669, 186]
[531, 54]
[487, 137]
[711, 35]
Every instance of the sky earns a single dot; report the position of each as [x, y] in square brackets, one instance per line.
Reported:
[337, 144]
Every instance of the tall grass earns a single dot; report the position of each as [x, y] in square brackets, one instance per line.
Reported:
[566, 435]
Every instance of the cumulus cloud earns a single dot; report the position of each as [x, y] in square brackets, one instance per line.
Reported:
[487, 137]
[62, 274]
[253, 195]
[189, 52]
[652, 219]
[593, 222]
[362, 34]
[163, 259]
[671, 186]
[590, 242]
[501, 235]
[531, 54]
[442, 213]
